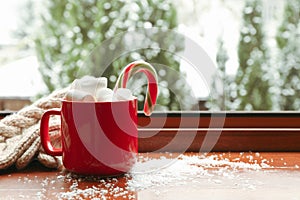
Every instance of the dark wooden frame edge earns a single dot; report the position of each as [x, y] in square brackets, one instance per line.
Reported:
[228, 131]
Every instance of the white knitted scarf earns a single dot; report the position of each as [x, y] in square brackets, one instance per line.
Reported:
[20, 134]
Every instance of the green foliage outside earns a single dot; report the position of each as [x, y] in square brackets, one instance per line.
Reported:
[72, 29]
[288, 42]
[249, 89]
[252, 79]
[257, 88]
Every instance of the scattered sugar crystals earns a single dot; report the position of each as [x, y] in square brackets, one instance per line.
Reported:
[100, 188]
[157, 176]
[157, 173]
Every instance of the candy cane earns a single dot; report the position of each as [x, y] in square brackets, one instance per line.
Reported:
[152, 90]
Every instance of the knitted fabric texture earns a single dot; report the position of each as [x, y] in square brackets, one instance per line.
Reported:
[20, 134]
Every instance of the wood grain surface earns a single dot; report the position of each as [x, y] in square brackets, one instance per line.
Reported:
[278, 179]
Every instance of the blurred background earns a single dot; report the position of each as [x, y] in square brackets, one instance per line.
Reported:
[253, 43]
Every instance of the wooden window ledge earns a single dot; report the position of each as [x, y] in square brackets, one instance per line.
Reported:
[277, 179]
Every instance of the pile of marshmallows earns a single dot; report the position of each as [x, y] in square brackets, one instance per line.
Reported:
[89, 88]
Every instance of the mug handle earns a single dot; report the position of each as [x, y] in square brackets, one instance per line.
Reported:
[44, 133]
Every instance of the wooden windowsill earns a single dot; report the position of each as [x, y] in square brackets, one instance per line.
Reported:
[278, 180]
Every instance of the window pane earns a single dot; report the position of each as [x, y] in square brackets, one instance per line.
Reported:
[248, 50]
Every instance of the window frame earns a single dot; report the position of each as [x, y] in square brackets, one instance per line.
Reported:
[241, 131]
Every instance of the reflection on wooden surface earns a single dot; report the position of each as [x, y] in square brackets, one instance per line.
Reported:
[213, 176]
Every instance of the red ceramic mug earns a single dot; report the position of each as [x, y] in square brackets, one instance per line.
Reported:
[98, 138]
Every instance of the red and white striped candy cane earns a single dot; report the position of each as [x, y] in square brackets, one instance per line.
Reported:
[152, 89]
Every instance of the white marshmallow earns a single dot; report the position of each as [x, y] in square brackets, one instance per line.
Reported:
[74, 85]
[122, 94]
[89, 84]
[101, 82]
[104, 95]
[77, 95]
